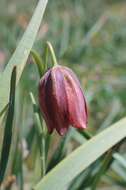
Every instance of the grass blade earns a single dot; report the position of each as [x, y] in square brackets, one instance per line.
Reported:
[60, 152]
[82, 157]
[121, 160]
[105, 165]
[8, 127]
[21, 54]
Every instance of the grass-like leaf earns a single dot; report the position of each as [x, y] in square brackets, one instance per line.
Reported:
[82, 157]
[60, 152]
[8, 127]
[21, 54]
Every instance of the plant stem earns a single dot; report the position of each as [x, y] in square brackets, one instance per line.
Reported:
[41, 139]
[85, 134]
[42, 155]
[40, 130]
[38, 61]
[53, 56]
[45, 58]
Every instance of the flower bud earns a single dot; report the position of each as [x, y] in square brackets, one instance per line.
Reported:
[62, 101]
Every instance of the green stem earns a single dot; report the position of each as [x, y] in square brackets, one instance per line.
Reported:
[45, 58]
[86, 134]
[38, 60]
[42, 156]
[53, 56]
[40, 130]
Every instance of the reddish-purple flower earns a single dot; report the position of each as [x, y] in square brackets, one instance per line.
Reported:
[62, 101]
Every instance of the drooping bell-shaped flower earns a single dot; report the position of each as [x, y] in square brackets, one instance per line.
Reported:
[62, 101]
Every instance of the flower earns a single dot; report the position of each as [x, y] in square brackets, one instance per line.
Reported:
[62, 101]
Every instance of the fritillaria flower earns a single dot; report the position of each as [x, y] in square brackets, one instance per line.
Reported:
[62, 101]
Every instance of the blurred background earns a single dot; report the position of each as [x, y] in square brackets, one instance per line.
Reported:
[89, 37]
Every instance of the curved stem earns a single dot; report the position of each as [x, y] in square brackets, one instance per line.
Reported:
[37, 59]
[53, 56]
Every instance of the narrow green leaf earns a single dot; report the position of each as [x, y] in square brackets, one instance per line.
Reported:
[38, 61]
[5, 108]
[105, 163]
[21, 53]
[60, 152]
[8, 127]
[121, 160]
[82, 157]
